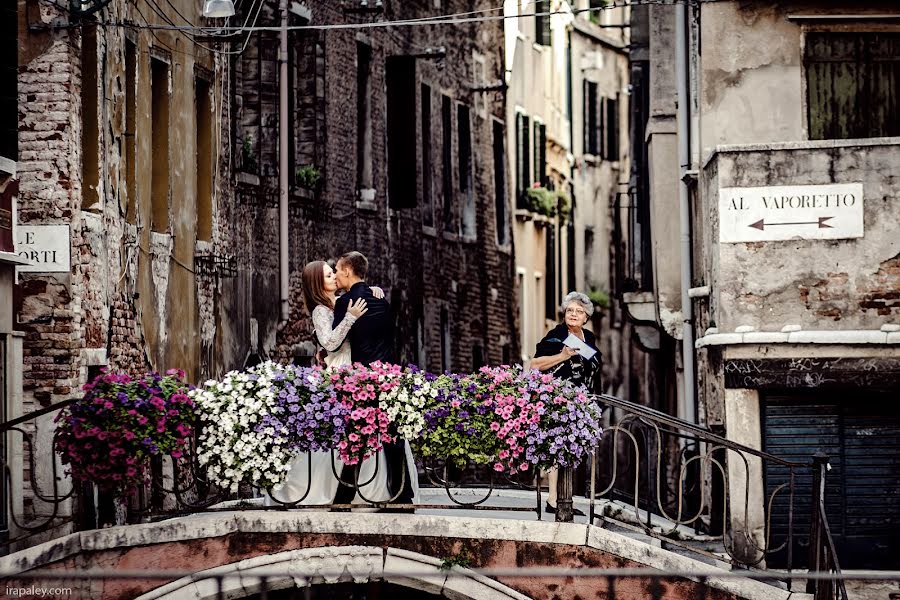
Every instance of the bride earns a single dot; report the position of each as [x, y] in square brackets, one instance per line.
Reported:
[319, 289]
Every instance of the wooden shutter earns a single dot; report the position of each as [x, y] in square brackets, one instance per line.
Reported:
[540, 153]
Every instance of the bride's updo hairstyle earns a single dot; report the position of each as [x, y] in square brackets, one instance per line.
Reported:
[313, 281]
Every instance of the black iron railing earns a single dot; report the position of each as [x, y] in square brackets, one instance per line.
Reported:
[653, 474]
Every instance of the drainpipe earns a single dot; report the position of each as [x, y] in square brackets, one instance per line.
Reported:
[684, 163]
[283, 124]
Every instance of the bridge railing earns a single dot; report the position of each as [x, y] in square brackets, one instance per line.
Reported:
[653, 473]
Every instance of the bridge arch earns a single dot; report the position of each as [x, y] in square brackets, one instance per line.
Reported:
[330, 565]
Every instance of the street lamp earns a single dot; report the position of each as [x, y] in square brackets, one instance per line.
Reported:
[218, 8]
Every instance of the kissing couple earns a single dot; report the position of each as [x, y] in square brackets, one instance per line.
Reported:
[355, 327]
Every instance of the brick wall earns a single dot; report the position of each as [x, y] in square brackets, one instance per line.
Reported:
[421, 271]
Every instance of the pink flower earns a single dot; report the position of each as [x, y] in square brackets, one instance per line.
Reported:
[498, 467]
[495, 426]
[353, 437]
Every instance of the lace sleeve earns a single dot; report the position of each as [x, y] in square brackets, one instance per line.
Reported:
[330, 339]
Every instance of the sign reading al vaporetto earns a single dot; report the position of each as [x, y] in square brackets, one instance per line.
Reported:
[808, 212]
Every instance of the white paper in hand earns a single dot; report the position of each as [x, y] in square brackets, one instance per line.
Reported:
[583, 349]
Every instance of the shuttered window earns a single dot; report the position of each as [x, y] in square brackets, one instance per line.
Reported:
[523, 157]
[542, 22]
[852, 84]
[862, 493]
[550, 272]
[611, 127]
[540, 154]
[593, 119]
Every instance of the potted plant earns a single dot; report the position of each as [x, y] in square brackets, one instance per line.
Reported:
[540, 200]
[308, 177]
[108, 436]
[248, 156]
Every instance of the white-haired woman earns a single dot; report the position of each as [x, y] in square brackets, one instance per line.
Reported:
[564, 361]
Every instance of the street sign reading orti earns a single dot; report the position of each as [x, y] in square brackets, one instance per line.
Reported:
[809, 212]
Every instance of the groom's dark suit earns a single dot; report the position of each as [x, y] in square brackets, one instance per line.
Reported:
[372, 340]
[372, 336]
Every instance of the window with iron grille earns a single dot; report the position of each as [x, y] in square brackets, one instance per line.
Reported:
[542, 22]
[852, 82]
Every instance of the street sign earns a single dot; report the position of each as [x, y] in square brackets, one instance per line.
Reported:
[46, 246]
[807, 212]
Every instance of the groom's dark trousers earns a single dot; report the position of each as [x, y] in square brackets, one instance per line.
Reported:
[371, 340]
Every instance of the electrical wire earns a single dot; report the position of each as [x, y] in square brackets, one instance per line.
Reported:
[449, 19]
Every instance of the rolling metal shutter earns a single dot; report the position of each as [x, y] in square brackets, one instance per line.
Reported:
[861, 435]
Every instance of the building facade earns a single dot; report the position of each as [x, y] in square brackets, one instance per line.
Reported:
[402, 131]
[793, 279]
[567, 124]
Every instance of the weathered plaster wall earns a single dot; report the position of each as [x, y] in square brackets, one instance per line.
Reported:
[824, 284]
[751, 68]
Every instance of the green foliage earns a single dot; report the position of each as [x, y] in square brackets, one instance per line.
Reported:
[248, 155]
[599, 298]
[308, 176]
[541, 201]
[463, 559]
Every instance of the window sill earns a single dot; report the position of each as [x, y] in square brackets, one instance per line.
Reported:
[429, 231]
[504, 248]
[450, 236]
[304, 193]
[469, 239]
[247, 178]
[366, 206]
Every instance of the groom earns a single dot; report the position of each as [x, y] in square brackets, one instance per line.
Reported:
[371, 340]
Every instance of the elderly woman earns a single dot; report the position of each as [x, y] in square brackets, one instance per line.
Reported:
[554, 356]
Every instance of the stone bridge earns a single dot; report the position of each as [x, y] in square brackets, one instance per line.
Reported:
[367, 547]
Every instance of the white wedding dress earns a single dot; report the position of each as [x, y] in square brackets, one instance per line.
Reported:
[323, 465]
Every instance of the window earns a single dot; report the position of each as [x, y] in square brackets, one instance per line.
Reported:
[90, 132]
[427, 159]
[159, 119]
[550, 269]
[571, 277]
[523, 313]
[611, 127]
[589, 255]
[540, 154]
[593, 119]
[523, 157]
[203, 110]
[542, 22]
[363, 117]
[851, 84]
[446, 161]
[130, 123]
[401, 131]
[445, 341]
[464, 154]
[9, 69]
[500, 199]
[477, 357]
[597, 7]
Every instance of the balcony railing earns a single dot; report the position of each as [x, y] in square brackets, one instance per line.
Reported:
[653, 474]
